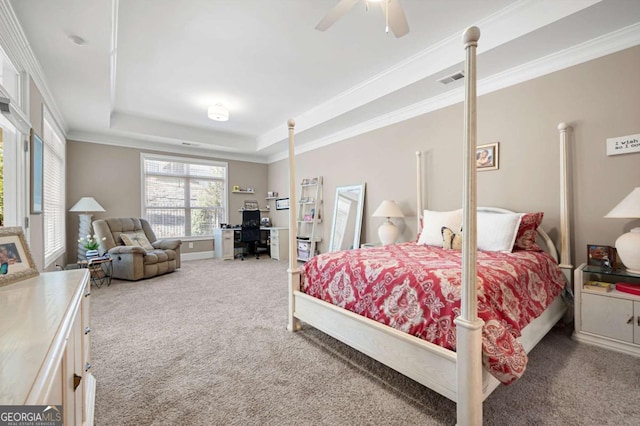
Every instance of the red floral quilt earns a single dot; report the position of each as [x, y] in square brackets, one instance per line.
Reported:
[416, 289]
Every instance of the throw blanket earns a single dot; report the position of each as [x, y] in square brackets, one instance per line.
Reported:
[416, 289]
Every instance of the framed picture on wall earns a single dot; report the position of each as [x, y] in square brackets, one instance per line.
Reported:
[282, 204]
[487, 156]
[37, 151]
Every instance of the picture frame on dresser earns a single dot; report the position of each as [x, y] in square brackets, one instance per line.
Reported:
[16, 263]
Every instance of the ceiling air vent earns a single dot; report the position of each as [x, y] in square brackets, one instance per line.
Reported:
[451, 78]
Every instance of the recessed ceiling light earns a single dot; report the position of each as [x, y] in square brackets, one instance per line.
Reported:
[77, 40]
[218, 112]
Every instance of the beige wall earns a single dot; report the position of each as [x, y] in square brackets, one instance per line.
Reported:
[599, 99]
[36, 232]
[111, 175]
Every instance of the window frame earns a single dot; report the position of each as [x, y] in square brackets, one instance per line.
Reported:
[186, 207]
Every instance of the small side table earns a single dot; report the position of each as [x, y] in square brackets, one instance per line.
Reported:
[100, 270]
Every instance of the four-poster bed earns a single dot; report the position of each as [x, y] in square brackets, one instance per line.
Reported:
[458, 375]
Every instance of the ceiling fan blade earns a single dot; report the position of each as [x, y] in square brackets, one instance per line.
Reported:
[338, 11]
[397, 20]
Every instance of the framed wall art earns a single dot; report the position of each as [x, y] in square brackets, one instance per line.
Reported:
[37, 152]
[282, 204]
[16, 263]
[487, 156]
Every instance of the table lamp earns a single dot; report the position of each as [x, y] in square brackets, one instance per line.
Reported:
[86, 206]
[628, 245]
[388, 232]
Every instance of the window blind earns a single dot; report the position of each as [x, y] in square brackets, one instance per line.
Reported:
[53, 191]
[183, 197]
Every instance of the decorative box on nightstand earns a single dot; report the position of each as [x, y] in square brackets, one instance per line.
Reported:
[610, 319]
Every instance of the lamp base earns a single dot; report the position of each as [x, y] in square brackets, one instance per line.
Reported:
[628, 247]
[84, 229]
[388, 233]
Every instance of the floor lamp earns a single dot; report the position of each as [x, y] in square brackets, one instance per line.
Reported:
[85, 206]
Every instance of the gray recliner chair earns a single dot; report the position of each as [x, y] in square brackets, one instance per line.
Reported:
[137, 260]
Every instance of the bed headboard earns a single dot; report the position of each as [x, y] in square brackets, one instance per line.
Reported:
[543, 236]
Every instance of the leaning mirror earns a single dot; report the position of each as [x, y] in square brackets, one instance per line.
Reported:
[347, 218]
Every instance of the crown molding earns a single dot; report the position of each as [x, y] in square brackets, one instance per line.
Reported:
[159, 146]
[505, 25]
[598, 47]
[16, 45]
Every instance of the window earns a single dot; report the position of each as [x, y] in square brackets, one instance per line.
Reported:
[9, 77]
[183, 197]
[53, 189]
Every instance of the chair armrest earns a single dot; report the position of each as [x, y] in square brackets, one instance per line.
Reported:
[167, 244]
[127, 250]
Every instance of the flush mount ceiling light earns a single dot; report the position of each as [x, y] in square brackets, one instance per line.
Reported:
[218, 112]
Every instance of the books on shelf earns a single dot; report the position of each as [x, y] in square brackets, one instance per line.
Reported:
[597, 286]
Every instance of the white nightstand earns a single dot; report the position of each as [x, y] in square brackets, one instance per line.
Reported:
[607, 319]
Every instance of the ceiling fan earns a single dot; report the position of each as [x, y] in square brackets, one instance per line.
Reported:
[395, 19]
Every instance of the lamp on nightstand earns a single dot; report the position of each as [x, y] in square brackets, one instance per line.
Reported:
[628, 245]
[388, 232]
[85, 206]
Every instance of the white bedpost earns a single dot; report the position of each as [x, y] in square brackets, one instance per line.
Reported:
[293, 324]
[419, 207]
[468, 325]
[565, 232]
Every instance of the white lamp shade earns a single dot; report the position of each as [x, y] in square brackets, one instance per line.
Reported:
[629, 208]
[388, 208]
[628, 245]
[86, 204]
[218, 113]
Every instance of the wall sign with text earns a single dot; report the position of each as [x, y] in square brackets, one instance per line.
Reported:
[623, 145]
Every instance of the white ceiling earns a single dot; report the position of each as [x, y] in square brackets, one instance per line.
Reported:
[150, 68]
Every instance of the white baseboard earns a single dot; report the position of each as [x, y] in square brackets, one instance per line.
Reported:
[196, 255]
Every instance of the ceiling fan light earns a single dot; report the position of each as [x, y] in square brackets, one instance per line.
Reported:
[218, 112]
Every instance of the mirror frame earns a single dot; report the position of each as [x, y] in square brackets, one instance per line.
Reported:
[359, 213]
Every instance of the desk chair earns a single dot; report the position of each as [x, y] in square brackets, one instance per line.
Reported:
[250, 231]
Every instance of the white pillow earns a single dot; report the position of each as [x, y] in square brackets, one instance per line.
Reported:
[432, 223]
[497, 231]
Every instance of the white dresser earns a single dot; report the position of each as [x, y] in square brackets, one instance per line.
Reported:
[45, 342]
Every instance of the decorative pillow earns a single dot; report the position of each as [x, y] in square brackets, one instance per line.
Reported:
[497, 231]
[137, 238]
[451, 240]
[432, 223]
[527, 235]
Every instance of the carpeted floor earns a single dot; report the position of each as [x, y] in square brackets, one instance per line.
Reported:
[207, 345]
